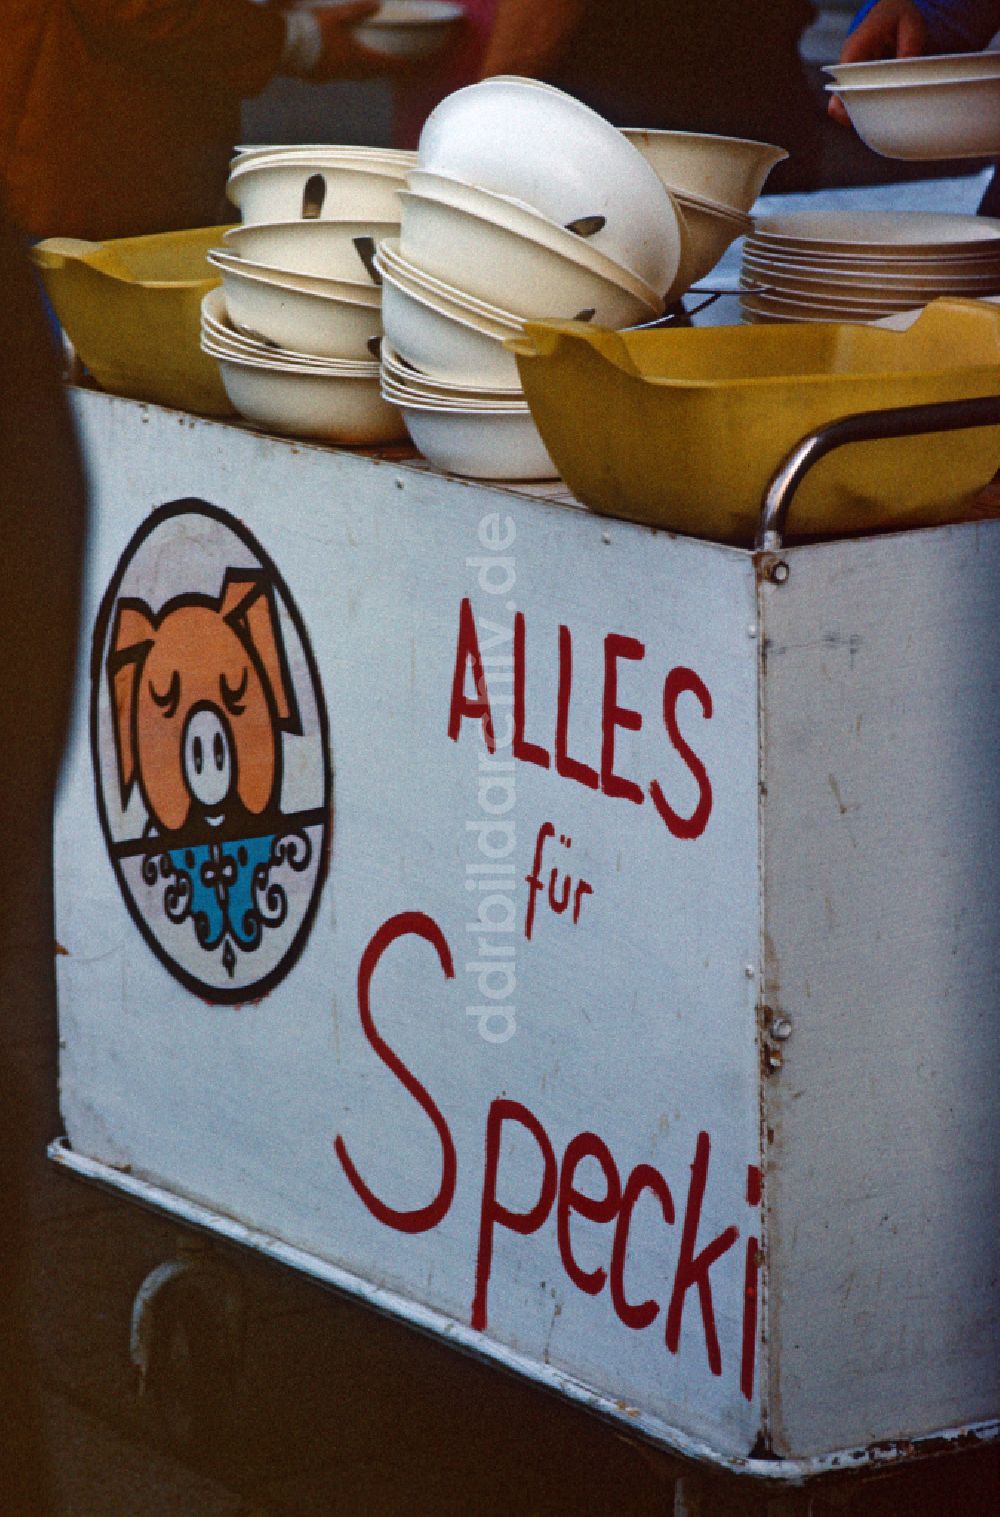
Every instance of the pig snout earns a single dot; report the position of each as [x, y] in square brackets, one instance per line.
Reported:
[207, 756]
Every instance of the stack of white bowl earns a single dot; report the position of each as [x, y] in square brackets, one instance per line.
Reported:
[524, 204]
[297, 327]
[943, 106]
[862, 265]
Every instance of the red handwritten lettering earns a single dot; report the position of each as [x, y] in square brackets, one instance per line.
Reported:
[493, 1212]
[421, 1218]
[586, 1145]
[677, 681]
[531, 753]
[468, 657]
[751, 1266]
[643, 1177]
[570, 768]
[692, 1268]
[613, 715]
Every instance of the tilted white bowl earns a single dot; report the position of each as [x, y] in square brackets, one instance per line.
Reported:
[439, 339]
[409, 28]
[923, 70]
[555, 154]
[486, 257]
[330, 249]
[360, 292]
[390, 257]
[941, 119]
[530, 223]
[729, 170]
[285, 190]
[321, 325]
[705, 236]
[497, 445]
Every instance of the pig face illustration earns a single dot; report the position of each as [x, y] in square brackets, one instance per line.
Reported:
[200, 695]
[211, 752]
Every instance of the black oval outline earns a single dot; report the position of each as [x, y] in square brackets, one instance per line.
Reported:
[193, 506]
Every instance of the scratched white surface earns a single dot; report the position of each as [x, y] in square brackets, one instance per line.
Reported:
[882, 834]
[637, 1024]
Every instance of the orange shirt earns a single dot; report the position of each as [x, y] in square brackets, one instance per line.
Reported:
[117, 117]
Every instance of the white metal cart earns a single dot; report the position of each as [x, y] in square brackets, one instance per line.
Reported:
[578, 940]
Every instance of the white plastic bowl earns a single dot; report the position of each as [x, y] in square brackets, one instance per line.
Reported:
[391, 160]
[729, 170]
[217, 329]
[705, 236]
[409, 28]
[223, 343]
[943, 119]
[521, 218]
[406, 377]
[328, 249]
[558, 156]
[437, 338]
[303, 403]
[486, 257]
[461, 400]
[360, 292]
[390, 258]
[286, 190]
[321, 325]
[922, 70]
[497, 445]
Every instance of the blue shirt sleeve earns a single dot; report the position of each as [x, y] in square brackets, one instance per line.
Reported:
[953, 26]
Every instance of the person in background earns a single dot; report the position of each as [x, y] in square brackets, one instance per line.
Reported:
[118, 117]
[910, 28]
[727, 66]
[524, 37]
[42, 509]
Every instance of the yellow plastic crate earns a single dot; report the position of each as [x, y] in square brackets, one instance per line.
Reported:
[682, 428]
[131, 308]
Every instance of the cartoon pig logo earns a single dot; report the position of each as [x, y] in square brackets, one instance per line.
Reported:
[203, 677]
[201, 696]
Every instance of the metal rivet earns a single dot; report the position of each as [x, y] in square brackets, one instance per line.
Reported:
[749, 971]
[780, 572]
[781, 1029]
[605, 537]
[752, 630]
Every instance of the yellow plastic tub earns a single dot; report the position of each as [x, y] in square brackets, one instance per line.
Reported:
[131, 308]
[683, 428]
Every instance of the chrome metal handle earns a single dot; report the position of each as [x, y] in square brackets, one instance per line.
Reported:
[863, 426]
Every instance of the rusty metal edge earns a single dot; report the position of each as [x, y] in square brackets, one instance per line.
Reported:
[671, 1440]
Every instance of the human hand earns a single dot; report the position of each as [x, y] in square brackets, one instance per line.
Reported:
[342, 56]
[891, 29]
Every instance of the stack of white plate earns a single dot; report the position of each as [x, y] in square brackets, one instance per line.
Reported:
[523, 204]
[300, 311]
[862, 265]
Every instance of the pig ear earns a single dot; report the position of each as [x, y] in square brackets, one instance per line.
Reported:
[131, 639]
[248, 606]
